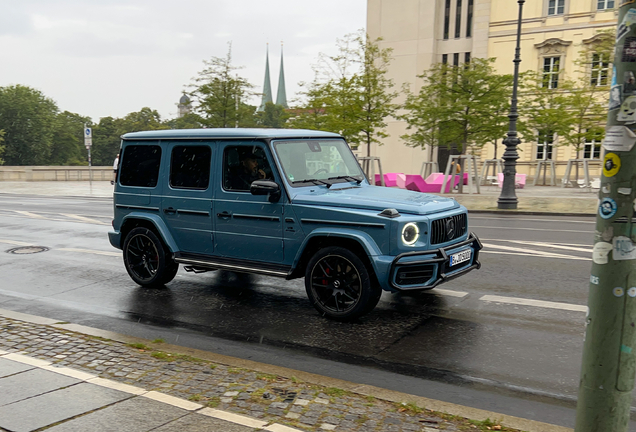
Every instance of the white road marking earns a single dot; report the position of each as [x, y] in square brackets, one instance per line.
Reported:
[17, 243]
[533, 256]
[96, 252]
[560, 244]
[532, 302]
[551, 245]
[529, 229]
[29, 214]
[446, 292]
[532, 252]
[532, 220]
[84, 219]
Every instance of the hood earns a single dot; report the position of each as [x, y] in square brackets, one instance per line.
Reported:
[375, 198]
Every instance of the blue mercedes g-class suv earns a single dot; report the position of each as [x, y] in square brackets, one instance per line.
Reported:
[287, 203]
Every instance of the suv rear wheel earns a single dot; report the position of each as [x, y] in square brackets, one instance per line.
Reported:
[146, 260]
[339, 285]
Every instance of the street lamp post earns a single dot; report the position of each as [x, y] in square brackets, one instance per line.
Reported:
[508, 198]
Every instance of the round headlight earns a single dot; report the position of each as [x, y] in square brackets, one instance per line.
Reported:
[410, 233]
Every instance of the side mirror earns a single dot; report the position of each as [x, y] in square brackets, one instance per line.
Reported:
[266, 187]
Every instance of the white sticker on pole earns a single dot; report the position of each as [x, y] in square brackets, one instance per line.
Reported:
[619, 138]
[623, 249]
[600, 252]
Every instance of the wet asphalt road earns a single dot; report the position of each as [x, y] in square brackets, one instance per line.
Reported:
[525, 342]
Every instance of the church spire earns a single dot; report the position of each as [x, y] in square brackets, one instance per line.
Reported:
[267, 85]
[281, 97]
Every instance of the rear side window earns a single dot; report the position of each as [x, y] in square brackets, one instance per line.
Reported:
[190, 167]
[140, 165]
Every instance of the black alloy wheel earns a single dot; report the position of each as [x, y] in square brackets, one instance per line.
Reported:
[338, 284]
[146, 260]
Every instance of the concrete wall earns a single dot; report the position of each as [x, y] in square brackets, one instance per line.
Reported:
[55, 173]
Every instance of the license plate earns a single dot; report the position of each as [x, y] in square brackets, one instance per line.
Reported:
[460, 257]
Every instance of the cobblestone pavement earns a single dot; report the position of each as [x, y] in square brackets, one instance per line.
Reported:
[285, 400]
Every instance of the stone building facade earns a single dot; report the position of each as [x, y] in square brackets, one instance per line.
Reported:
[422, 32]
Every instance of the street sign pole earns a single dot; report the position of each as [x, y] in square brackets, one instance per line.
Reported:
[88, 142]
[609, 354]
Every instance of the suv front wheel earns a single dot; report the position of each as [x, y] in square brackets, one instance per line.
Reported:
[339, 285]
[146, 260]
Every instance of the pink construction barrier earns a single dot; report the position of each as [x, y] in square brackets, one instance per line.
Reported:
[520, 180]
[415, 182]
[390, 179]
[438, 178]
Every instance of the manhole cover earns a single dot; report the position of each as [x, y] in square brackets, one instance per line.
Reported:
[28, 249]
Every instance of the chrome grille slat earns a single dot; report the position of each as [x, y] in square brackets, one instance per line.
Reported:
[438, 229]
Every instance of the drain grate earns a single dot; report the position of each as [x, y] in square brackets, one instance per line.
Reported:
[28, 250]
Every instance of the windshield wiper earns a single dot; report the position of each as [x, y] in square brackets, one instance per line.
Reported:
[314, 181]
[346, 177]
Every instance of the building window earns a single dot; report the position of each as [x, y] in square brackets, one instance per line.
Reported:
[545, 142]
[551, 72]
[467, 58]
[556, 7]
[447, 19]
[592, 146]
[605, 4]
[458, 19]
[469, 21]
[444, 58]
[600, 70]
[456, 59]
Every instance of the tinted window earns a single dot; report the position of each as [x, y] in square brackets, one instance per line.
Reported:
[140, 165]
[190, 167]
[242, 165]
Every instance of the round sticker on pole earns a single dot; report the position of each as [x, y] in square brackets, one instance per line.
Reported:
[608, 208]
[611, 165]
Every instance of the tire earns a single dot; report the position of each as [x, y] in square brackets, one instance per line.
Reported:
[146, 260]
[339, 285]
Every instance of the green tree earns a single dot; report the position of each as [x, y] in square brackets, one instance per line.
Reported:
[458, 106]
[351, 93]
[2, 147]
[188, 121]
[28, 119]
[107, 140]
[547, 110]
[273, 116]
[143, 120]
[219, 94]
[589, 96]
[68, 140]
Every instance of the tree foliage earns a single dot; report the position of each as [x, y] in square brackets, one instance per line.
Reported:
[220, 94]
[462, 106]
[351, 93]
[28, 120]
[273, 116]
[589, 96]
[2, 147]
[68, 140]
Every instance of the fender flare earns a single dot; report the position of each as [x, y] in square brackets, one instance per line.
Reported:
[158, 223]
[365, 240]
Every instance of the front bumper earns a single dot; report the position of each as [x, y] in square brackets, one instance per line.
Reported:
[427, 269]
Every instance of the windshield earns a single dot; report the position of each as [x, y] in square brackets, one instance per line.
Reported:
[318, 162]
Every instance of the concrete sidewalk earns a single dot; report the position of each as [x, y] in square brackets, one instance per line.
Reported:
[58, 376]
[532, 199]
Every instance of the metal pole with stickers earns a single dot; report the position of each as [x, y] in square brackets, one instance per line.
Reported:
[609, 355]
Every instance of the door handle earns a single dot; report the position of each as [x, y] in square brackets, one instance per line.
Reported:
[224, 215]
[170, 210]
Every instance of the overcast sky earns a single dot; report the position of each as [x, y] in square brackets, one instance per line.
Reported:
[110, 57]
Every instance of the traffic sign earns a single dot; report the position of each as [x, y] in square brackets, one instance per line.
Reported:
[88, 132]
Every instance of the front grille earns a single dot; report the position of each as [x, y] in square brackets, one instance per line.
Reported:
[415, 275]
[447, 229]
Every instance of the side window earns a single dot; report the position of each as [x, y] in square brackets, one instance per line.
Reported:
[140, 165]
[242, 165]
[190, 167]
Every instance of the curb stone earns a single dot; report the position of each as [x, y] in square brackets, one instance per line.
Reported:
[102, 355]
